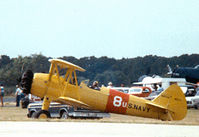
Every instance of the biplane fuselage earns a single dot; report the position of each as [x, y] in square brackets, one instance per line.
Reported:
[169, 105]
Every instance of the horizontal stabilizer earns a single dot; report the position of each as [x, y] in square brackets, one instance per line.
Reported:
[72, 101]
[156, 105]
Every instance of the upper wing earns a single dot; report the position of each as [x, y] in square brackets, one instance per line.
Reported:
[56, 67]
[72, 101]
[66, 64]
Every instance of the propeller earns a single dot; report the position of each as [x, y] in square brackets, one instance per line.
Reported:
[26, 81]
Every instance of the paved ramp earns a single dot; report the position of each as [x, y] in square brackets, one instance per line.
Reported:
[81, 129]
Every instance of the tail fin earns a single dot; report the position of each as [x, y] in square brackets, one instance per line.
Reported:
[173, 100]
[169, 69]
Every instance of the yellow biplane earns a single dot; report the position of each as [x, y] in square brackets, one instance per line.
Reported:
[61, 85]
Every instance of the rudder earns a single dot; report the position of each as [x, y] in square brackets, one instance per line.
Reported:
[174, 100]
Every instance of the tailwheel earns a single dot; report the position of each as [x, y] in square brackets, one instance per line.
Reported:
[42, 114]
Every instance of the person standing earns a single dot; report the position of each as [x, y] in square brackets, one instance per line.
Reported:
[110, 85]
[160, 89]
[155, 87]
[18, 95]
[2, 94]
[122, 85]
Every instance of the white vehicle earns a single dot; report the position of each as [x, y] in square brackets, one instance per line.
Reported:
[165, 82]
[193, 102]
[122, 89]
[136, 91]
[152, 96]
[63, 111]
[34, 98]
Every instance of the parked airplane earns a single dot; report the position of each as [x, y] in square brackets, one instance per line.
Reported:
[169, 105]
[190, 74]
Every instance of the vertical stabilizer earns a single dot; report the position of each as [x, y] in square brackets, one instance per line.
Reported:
[174, 101]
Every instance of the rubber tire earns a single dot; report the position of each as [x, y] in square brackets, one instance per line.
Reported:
[196, 106]
[64, 115]
[33, 115]
[40, 113]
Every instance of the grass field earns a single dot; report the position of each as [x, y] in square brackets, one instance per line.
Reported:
[11, 113]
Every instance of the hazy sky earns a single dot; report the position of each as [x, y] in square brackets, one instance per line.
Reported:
[113, 28]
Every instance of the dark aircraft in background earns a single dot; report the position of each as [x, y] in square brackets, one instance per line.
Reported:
[190, 74]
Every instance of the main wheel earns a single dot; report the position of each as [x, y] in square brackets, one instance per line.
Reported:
[64, 115]
[42, 114]
[33, 114]
[196, 106]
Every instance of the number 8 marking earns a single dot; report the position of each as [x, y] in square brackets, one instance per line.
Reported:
[117, 101]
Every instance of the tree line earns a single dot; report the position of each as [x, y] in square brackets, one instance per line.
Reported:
[103, 69]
